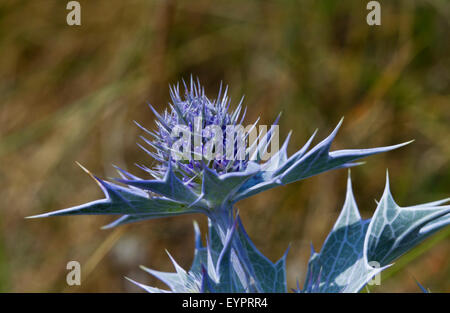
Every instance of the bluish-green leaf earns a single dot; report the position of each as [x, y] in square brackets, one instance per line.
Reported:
[127, 201]
[394, 230]
[304, 164]
[341, 266]
[356, 249]
[267, 276]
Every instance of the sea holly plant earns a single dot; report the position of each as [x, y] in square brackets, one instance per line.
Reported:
[194, 174]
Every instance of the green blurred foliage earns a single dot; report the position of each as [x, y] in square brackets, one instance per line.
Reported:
[70, 93]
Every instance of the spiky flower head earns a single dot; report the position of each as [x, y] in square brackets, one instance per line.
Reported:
[193, 112]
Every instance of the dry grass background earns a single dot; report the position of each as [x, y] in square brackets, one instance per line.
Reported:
[71, 93]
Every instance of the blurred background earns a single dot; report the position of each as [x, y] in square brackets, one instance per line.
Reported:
[71, 93]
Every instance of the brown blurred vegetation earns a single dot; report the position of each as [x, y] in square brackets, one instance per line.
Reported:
[71, 93]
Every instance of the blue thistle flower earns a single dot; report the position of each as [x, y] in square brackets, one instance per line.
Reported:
[194, 183]
[205, 186]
